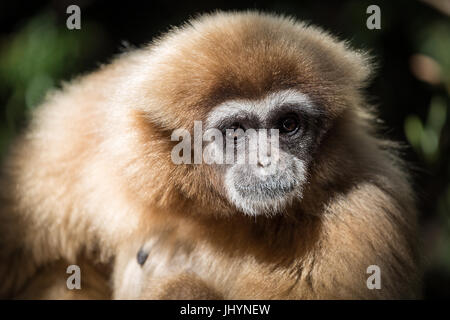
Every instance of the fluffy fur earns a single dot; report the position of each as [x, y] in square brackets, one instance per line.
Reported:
[92, 174]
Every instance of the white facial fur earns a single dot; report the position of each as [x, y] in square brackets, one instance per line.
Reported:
[260, 108]
[264, 204]
[279, 183]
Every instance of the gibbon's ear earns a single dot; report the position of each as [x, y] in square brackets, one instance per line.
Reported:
[142, 256]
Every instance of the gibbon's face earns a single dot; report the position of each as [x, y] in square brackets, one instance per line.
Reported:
[267, 168]
[252, 71]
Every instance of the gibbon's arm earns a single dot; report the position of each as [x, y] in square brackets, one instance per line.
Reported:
[166, 276]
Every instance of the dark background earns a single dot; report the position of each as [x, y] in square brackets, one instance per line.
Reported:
[411, 86]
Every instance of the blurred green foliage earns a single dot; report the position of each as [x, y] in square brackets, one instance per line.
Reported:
[33, 60]
[424, 137]
[429, 134]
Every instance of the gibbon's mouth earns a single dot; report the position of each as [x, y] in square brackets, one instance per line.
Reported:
[255, 194]
[272, 188]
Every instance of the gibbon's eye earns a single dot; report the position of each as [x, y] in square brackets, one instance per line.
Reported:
[142, 256]
[289, 124]
[233, 131]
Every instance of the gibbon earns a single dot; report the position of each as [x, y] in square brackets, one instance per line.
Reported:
[92, 176]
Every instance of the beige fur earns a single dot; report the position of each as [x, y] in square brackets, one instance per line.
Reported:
[92, 174]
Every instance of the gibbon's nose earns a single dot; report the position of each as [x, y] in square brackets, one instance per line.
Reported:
[264, 156]
[263, 161]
